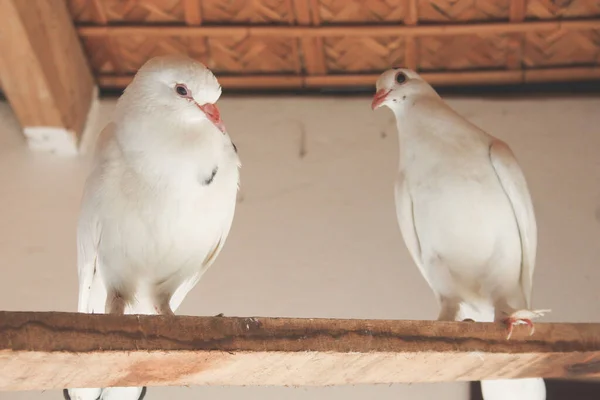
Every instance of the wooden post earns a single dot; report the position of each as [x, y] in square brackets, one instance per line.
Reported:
[45, 74]
[41, 351]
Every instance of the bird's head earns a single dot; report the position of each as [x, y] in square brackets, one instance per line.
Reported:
[176, 87]
[395, 86]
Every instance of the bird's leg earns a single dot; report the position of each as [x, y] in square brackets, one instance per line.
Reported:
[164, 309]
[449, 309]
[115, 303]
[163, 306]
[162, 293]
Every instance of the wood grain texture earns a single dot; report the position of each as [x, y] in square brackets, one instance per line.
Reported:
[313, 60]
[326, 31]
[43, 69]
[346, 40]
[454, 78]
[463, 10]
[56, 350]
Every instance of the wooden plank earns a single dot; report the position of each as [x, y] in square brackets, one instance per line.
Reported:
[517, 10]
[263, 82]
[339, 31]
[459, 78]
[192, 12]
[312, 48]
[228, 82]
[434, 78]
[562, 74]
[516, 40]
[410, 50]
[99, 13]
[44, 73]
[56, 350]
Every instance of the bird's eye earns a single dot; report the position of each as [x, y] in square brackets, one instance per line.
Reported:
[400, 78]
[181, 90]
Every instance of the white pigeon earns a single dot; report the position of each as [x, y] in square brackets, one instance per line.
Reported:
[465, 214]
[160, 200]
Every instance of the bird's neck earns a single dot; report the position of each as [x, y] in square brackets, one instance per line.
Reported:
[426, 117]
[430, 126]
[166, 149]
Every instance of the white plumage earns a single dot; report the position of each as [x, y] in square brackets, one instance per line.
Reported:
[160, 200]
[465, 214]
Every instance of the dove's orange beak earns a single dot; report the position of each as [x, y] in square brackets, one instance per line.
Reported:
[213, 114]
[379, 98]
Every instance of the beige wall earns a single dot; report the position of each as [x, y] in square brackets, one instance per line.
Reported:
[317, 236]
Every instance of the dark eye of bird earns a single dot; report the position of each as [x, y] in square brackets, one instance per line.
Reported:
[181, 90]
[400, 78]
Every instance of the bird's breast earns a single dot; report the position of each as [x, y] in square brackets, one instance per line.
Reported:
[168, 226]
[461, 211]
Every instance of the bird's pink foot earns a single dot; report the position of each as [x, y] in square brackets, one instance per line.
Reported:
[512, 321]
[522, 317]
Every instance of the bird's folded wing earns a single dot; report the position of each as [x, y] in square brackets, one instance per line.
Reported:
[189, 284]
[92, 294]
[89, 232]
[515, 186]
[404, 212]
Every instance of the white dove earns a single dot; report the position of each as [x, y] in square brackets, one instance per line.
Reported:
[465, 214]
[160, 200]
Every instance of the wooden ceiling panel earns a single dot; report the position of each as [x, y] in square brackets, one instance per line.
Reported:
[335, 43]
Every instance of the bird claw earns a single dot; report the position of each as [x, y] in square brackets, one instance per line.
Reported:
[511, 322]
[468, 320]
[220, 315]
[523, 317]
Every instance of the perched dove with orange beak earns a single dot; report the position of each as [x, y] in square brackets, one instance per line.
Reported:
[160, 200]
[465, 214]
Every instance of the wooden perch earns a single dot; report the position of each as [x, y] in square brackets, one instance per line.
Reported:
[58, 350]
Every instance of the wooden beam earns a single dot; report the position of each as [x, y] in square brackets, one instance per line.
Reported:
[192, 13]
[338, 31]
[410, 51]
[258, 82]
[55, 350]
[306, 12]
[263, 82]
[516, 40]
[44, 73]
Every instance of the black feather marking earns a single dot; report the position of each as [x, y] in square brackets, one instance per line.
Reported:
[212, 177]
[234, 147]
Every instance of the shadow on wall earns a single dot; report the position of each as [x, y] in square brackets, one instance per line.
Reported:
[557, 389]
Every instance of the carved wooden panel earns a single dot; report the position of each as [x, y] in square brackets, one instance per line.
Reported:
[463, 10]
[462, 52]
[304, 43]
[252, 55]
[360, 11]
[562, 9]
[247, 11]
[562, 48]
[358, 54]
[122, 11]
